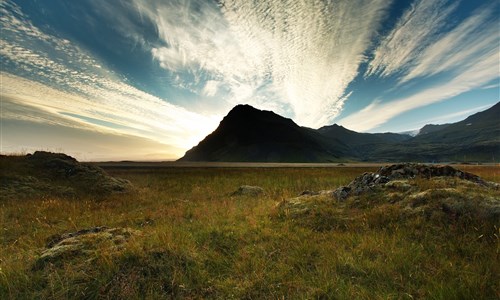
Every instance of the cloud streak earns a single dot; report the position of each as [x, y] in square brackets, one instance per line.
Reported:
[416, 30]
[27, 128]
[377, 113]
[284, 55]
[467, 57]
[63, 80]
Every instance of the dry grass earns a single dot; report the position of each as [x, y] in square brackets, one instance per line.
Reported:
[199, 242]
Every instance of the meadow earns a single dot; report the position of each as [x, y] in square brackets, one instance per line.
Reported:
[196, 241]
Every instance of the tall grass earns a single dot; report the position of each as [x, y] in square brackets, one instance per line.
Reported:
[197, 241]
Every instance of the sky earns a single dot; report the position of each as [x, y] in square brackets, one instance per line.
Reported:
[147, 80]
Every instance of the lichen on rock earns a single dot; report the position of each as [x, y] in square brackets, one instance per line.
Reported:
[83, 243]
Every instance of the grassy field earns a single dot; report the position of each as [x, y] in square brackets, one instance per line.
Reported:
[194, 240]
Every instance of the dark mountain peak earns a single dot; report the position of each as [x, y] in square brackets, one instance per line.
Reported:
[243, 109]
[250, 134]
[334, 128]
[247, 114]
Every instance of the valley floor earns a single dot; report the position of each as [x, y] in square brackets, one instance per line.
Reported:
[188, 236]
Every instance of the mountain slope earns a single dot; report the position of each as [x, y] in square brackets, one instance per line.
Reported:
[249, 134]
[432, 128]
[355, 138]
[477, 138]
[478, 128]
[361, 144]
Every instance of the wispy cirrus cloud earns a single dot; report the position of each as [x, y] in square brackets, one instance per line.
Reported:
[474, 40]
[453, 117]
[62, 79]
[419, 46]
[465, 58]
[285, 55]
[416, 30]
[378, 112]
[27, 128]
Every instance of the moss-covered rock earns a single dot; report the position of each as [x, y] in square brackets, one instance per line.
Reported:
[83, 244]
[416, 190]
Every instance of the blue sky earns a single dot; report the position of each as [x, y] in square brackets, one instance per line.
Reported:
[147, 80]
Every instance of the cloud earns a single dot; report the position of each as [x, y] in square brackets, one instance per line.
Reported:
[128, 112]
[27, 128]
[456, 116]
[62, 79]
[300, 57]
[464, 58]
[474, 40]
[417, 46]
[211, 88]
[413, 32]
[296, 58]
[377, 113]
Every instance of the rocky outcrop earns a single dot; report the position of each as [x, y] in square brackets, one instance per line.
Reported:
[415, 188]
[43, 174]
[368, 181]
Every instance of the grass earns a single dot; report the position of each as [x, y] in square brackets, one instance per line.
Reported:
[197, 241]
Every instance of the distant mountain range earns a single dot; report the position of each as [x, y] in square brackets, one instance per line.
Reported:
[247, 134]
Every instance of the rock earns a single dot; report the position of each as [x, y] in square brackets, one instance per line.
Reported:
[442, 195]
[83, 243]
[399, 172]
[342, 193]
[248, 190]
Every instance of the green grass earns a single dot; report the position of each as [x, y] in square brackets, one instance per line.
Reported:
[197, 241]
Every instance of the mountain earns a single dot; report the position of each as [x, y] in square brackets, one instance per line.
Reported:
[431, 128]
[361, 143]
[477, 138]
[248, 134]
[355, 138]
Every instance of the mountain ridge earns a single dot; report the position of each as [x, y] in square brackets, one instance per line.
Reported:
[247, 134]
